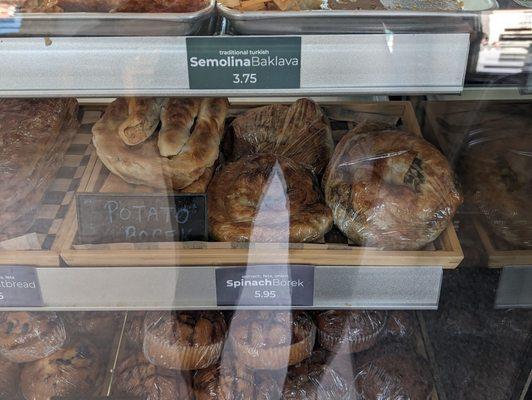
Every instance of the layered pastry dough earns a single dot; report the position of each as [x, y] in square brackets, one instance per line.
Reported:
[266, 198]
[142, 121]
[143, 164]
[300, 132]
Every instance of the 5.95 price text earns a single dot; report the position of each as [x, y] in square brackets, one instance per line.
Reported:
[265, 294]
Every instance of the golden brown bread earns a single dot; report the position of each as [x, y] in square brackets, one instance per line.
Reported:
[178, 117]
[286, 193]
[300, 132]
[143, 165]
[173, 6]
[390, 189]
[142, 121]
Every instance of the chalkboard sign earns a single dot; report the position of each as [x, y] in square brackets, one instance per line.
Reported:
[141, 218]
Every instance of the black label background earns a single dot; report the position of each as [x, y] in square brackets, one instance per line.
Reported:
[243, 296]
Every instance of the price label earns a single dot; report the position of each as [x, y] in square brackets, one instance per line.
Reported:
[141, 218]
[19, 287]
[244, 62]
[266, 285]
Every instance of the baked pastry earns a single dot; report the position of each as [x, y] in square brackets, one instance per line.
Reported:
[392, 372]
[271, 339]
[350, 331]
[100, 325]
[247, 201]
[177, 117]
[390, 189]
[144, 114]
[35, 135]
[29, 336]
[134, 329]
[400, 324]
[74, 370]
[184, 340]
[228, 380]
[9, 373]
[88, 5]
[135, 376]
[39, 6]
[499, 183]
[154, 6]
[300, 132]
[143, 164]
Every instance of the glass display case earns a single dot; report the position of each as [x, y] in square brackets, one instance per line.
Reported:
[265, 199]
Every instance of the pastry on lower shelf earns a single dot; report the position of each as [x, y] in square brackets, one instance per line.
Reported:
[134, 329]
[135, 376]
[390, 189]
[29, 336]
[100, 325]
[272, 339]
[184, 340]
[300, 132]
[9, 373]
[73, 371]
[35, 135]
[266, 198]
[350, 331]
[499, 183]
[155, 6]
[143, 117]
[143, 163]
[228, 380]
[392, 372]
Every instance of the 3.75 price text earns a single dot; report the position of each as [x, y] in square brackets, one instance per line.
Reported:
[242, 79]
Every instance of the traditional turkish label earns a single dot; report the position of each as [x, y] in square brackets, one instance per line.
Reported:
[19, 287]
[140, 218]
[244, 62]
[266, 285]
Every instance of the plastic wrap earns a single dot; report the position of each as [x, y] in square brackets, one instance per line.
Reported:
[271, 339]
[29, 336]
[35, 134]
[390, 189]
[9, 373]
[499, 183]
[351, 331]
[300, 132]
[134, 330]
[184, 340]
[267, 198]
[392, 372]
[73, 371]
[99, 325]
[400, 324]
[228, 380]
[192, 128]
[135, 376]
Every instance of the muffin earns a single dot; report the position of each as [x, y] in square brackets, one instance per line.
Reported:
[228, 380]
[134, 330]
[135, 376]
[271, 339]
[350, 331]
[74, 370]
[8, 379]
[184, 340]
[30, 336]
[100, 325]
[400, 324]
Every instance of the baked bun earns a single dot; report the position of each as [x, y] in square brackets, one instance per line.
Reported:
[350, 331]
[29, 336]
[134, 329]
[300, 132]
[9, 373]
[135, 376]
[392, 372]
[184, 340]
[101, 325]
[390, 189]
[72, 371]
[144, 114]
[272, 339]
[499, 183]
[248, 202]
[143, 163]
[228, 380]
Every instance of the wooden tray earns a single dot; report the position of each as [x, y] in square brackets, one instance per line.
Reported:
[445, 251]
[39, 246]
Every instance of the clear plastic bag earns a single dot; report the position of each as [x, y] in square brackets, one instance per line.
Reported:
[184, 340]
[72, 371]
[30, 336]
[390, 189]
[134, 329]
[272, 339]
[100, 325]
[9, 373]
[267, 198]
[135, 376]
[300, 132]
